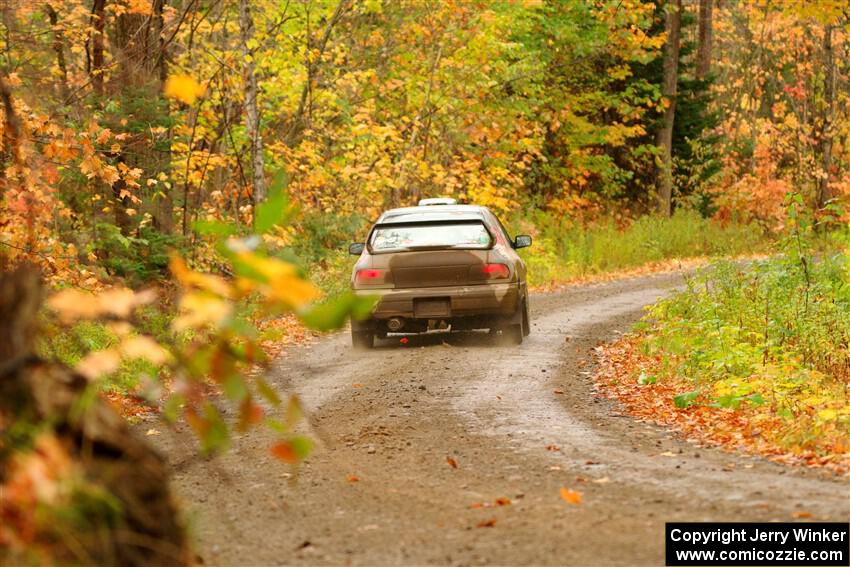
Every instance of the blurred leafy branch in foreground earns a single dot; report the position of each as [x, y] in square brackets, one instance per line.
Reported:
[213, 348]
[76, 485]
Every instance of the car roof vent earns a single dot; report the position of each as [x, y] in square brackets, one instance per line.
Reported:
[439, 201]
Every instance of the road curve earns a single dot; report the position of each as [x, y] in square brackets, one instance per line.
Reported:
[378, 490]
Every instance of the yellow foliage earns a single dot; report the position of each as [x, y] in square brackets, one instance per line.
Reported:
[73, 304]
[183, 88]
[282, 281]
[199, 309]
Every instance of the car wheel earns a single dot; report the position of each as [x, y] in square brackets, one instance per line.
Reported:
[362, 339]
[526, 322]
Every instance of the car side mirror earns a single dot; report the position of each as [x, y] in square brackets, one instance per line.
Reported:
[522, 241]
[356, 249]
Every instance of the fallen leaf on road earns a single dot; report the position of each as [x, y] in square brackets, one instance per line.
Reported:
[581, 479]
[487, 523]
[557, 391]
[152, 432]
[352, 478]
[667, 454]
[357, 385]
[802, 514]
[452, 463]
[552, 448]
[501, 501]
[404, 340]
[571, 496]
[603, 480]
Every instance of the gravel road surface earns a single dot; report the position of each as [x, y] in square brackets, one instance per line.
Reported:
[520, 422]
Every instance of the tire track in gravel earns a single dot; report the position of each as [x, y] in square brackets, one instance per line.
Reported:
[391, 416]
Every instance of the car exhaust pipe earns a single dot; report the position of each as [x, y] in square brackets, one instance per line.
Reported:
[395, 324]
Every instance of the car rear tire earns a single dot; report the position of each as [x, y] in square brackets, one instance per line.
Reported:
[362, 340]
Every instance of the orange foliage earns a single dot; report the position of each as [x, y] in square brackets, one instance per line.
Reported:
[758, 197]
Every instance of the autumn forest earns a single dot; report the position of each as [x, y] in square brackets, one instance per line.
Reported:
[180, 179]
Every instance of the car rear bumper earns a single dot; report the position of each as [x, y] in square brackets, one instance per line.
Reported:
[461, 301]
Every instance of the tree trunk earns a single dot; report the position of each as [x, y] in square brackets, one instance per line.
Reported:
[144, 528]
[827, 133]
[139, 73]
[164, 213]
[98, 25]
[664, 181]
[704, 40]
[252, 111]
[59, 50]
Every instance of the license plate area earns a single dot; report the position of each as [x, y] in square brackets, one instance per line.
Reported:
[432, 308]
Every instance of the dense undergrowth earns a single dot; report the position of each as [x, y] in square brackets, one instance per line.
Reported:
[768, 340]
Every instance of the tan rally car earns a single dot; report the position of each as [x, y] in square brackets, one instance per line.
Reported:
[441, 265]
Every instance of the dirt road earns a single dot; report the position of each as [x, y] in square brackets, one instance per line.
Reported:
[391, 416]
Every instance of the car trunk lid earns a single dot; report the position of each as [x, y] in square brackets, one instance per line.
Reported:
[433, 268]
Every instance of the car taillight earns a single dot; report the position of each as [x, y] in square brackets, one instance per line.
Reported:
[371, 276]
[492, 271]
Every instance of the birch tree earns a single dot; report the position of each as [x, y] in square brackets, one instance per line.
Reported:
[252, 111]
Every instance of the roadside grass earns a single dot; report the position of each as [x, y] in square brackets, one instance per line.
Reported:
[756, 356]
[69, 345]
[565, 251]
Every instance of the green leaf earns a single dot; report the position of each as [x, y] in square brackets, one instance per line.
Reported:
[645, 379]
[730, 401]
[685, 400]
[363, 306]
[293, 411]
[216, 437]
[267, 392]
[302, 446]
[332, 314]
[172, 407]
[276, 425]
[275, 209]
[234, 387]
[756, 399]
[214, 228]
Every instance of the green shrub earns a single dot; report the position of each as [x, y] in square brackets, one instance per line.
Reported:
[773, 332]
[69, 345]
[137, 258]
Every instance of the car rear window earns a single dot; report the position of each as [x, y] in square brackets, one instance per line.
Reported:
[464, 235]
